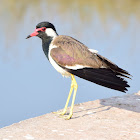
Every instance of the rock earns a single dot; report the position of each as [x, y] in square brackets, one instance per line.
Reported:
[116, 118]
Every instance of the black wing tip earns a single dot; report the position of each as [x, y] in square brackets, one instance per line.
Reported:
[122, 89]
[125, 89]
[103, 77]
[123, 75]
[124, 86]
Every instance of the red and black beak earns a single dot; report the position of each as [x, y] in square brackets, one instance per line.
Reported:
[36, 32]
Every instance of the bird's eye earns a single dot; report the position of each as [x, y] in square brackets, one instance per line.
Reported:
[43, 28]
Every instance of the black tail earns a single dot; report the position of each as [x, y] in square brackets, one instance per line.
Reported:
[114, 67]
[102, 76]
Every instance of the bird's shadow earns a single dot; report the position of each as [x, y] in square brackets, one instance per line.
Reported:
[129, 102]
[92, 111]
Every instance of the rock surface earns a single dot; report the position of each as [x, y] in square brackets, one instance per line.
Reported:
[116, 118]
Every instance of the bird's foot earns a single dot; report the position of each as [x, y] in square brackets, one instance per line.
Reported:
[61, 113]
[67, 117]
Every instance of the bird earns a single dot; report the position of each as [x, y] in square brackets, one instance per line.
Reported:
[72, 58]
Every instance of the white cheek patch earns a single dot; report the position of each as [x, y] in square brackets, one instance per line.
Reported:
[50, 32]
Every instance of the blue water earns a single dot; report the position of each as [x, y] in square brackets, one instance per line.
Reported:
[30, 86]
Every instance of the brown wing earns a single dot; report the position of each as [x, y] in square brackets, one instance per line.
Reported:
[97, 68]
[71, 52]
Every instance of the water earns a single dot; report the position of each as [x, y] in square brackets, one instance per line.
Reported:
[29, 85]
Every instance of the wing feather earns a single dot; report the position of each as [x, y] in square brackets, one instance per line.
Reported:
[90, 66]
[71, 52]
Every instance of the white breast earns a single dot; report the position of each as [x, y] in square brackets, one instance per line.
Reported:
[55, 65]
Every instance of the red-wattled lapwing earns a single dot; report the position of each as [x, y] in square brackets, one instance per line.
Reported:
[70, 57]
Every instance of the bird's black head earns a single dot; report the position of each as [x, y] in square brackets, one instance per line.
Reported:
[44, 30]
[45, 24]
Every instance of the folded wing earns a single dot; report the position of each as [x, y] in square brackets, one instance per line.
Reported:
[76, 59]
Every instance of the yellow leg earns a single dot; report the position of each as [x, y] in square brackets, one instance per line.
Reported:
[66, 105]
[68, 99]
[73, 86]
